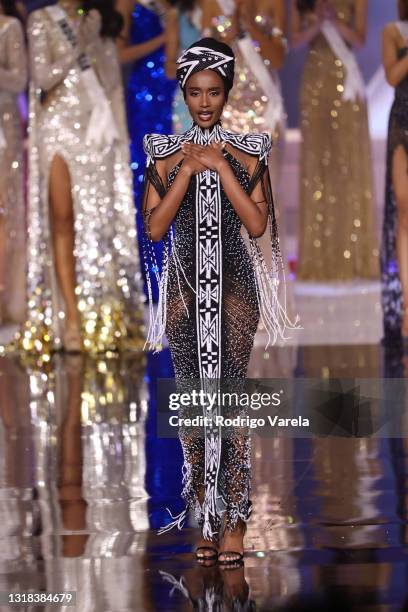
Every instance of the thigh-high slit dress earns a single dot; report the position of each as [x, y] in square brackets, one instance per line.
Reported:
[214, 291]
[62, 104]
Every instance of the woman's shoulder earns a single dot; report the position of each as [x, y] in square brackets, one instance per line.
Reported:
[161, 145]
[391, 29]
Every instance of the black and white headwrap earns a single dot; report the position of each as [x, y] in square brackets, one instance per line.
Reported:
[207, 54]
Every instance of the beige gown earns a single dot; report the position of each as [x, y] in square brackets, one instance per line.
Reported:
[107, 264]
[337, 231]
[13, 80]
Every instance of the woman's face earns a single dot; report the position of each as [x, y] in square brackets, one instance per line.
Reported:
[205, 97]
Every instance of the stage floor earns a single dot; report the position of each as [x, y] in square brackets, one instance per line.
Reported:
[85, 483]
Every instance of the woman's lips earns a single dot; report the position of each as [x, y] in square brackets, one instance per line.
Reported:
[205, 116]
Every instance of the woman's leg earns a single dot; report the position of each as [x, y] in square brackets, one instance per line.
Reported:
[240, 324]
[400, 187]
[62, 224]
[235, 487]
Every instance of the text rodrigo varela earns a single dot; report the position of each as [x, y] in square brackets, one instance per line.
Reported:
[211, 407]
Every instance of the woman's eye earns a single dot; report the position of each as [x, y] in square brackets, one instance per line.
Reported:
[215, 93]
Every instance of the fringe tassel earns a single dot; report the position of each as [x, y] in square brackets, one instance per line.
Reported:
[273, 314]
[176, 584]
[158, 319]
[178, 521]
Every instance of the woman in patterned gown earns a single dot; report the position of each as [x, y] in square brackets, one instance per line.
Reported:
[394, 255]
[13, 80]
[83, 273]
[210, 182]
[337, 229]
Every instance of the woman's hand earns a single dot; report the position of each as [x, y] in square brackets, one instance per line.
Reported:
[89, 28]
[210, 156]
[329, 12]
[320, 10]
[191, 166]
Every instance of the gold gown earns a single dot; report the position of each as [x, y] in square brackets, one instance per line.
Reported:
[13, 80]
[107, 265]
[337, 231]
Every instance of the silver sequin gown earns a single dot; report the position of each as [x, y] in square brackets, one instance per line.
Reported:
[107, 266]
[13, 80]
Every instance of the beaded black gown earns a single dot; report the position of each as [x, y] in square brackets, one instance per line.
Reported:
[397, 136]
[213, 292]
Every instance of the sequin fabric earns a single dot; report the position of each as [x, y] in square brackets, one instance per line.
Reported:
[337, 229]
[13, 80]
[149, 101]
[213, 290]
[391, 287]
[107, 268]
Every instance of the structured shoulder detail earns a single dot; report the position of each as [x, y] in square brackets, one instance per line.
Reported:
[159, 146]
[253, 143]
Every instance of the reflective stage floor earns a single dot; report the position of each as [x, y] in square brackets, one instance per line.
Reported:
[85, 484]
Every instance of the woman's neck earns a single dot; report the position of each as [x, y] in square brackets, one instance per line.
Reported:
[204, 135]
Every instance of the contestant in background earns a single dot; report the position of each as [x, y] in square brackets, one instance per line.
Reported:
[337, 230]
[256, 31]
[255, 103]
[13, 80]
[150, 92]
[185, 27]
[83, 272]
[394, 255]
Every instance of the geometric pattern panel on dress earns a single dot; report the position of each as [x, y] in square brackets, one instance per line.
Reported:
[209, 273]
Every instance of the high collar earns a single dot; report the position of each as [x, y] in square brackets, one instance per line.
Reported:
[204, 136]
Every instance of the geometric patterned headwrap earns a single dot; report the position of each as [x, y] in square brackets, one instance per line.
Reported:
[207, 54]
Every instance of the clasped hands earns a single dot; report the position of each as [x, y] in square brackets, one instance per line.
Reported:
[325, 10]
[198, 158]
[89, 29]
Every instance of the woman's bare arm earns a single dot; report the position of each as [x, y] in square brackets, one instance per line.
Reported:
[253, 211]
[356, 35]
[303, 36]
[172, 42]
[273, 48]
[395, 69]
[159, 212]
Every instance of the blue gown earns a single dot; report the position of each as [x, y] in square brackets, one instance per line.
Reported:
[149, 104]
